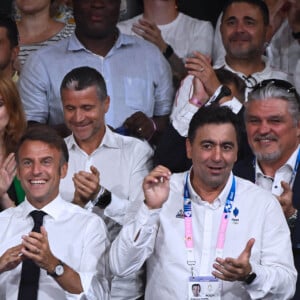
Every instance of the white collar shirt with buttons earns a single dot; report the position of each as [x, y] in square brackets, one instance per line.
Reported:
[284, 173]
[157, 236]
[76, 237]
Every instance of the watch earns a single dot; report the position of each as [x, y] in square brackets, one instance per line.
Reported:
[104, 199]
[250, 278]
[168, 52]
[58, 270]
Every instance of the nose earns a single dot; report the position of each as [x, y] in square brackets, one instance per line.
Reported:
[77, 116]
[36, 169]
[217, 154]
[264, 127]
[240, 27]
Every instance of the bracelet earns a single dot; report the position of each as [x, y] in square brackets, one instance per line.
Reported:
[196, 102]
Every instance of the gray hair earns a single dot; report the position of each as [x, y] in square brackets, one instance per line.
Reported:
[278, 89]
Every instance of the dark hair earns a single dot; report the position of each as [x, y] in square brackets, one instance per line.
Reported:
[47, 135]
[213, 115]
[227, 77]
[11, 28]
[83, 77]
[258, 3]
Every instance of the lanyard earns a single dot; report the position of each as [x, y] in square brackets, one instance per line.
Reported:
[295, 169]
[187, 208]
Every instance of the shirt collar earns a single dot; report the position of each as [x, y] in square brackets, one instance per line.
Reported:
[220, 199]
[110, 140]
[122, 40]
[52, 209]
[290, 163]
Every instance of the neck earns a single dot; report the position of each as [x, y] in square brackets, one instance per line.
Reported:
[90, 145]
[9, 71]
[206, 192]
[160, 12]
[246, 66]
[100, 46]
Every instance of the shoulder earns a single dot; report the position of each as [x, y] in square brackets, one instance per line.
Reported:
[130, 144]
[190, 21]
[250, 193]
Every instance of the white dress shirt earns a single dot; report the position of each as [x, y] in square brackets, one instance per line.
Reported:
[76, 237]
[284, 173]
[158, 237]
[123, 162]
[185, 34]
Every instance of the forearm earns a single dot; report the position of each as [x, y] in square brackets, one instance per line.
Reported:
[134, 244]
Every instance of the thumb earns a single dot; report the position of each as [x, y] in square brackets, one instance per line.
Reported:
[44, 232]
[247, 251]
[285, 186]
[94, 170]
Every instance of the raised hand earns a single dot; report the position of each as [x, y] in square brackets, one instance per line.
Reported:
[233, 269]
[156, 187]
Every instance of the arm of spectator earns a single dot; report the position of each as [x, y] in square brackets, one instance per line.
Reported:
[144, 127]
[200, 66]
[294, 17]
[34, 89]
[150, 32]
[7, 174]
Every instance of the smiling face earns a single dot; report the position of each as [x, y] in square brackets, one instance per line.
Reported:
[243, 31]
[40, 171]
[213, 152]
[272, 132]
[84, 114]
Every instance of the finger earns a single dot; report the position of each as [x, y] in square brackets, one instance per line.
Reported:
[286, 187]
[94, 171]
[247, 251]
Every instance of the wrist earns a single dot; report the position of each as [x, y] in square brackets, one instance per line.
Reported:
[168, 52]
[195, 101]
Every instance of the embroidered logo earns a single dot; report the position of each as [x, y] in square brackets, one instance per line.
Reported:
[235, 219]
[180, 214]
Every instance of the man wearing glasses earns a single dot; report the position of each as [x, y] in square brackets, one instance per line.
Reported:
[273, 129]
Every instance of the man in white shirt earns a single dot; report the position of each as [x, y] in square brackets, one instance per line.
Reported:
[176, 35]
[273, 127]
[106, 169]
[207, 226]
[244, 30]
[63, 250]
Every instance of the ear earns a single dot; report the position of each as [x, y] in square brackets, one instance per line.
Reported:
[188, 147]
[14, 53]
[63, 170]
[106, 104]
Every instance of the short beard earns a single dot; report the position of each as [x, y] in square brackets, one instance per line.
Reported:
[268, 157]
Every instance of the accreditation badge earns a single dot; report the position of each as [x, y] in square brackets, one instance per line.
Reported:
[204, 288]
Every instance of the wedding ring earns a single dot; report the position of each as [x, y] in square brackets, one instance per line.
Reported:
[139, 129]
